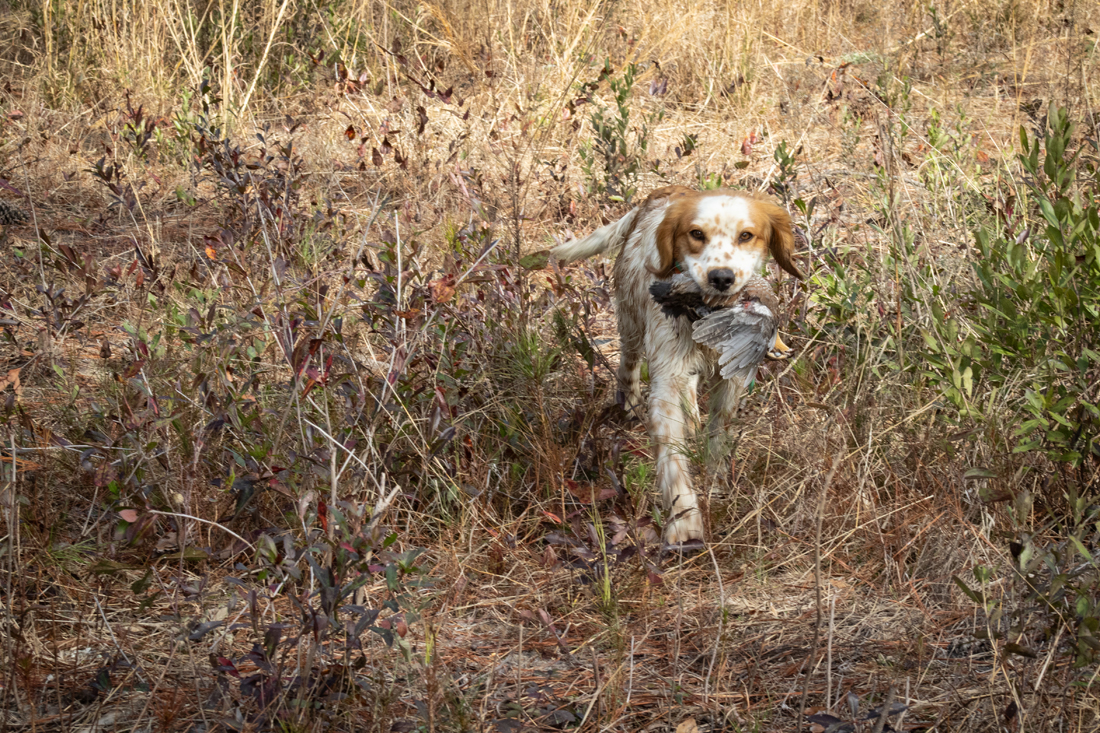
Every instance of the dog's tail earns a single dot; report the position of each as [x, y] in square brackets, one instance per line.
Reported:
[607, 237]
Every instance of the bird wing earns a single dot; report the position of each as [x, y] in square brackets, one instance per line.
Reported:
[680, 297]
[675, 304]
[741, 334]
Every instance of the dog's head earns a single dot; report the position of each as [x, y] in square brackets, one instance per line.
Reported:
[720, 238]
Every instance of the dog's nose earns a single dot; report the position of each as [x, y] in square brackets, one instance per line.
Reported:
[721, 279]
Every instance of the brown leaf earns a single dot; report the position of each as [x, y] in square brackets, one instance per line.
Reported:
[12, 379]
[443, 289]
[581, 492]
[167, 542]
[133, 369]
[688, 726]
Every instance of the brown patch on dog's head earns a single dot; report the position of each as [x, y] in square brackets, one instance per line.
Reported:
[674, 231]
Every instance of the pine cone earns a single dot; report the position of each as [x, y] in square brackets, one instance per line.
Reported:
[11, 215]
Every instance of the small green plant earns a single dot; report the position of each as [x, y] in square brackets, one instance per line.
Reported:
[851, 131]
[787, 161]
[710, 181]
[616, 155]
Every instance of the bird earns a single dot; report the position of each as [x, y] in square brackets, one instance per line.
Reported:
[743, 328]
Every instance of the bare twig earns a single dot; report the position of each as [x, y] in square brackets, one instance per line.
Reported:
[884, 711]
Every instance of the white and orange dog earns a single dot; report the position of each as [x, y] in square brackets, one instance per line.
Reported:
[720, 239]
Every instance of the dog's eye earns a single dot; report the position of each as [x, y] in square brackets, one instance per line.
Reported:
[697, 234]
[746, 236]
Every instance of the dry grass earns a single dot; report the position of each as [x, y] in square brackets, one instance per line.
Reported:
[214, 329]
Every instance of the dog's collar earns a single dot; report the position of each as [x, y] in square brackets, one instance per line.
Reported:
[679, 267]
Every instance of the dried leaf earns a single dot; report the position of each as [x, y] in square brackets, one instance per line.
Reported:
[688, 726]
[11, 379]
[443, 289]
[203, 629]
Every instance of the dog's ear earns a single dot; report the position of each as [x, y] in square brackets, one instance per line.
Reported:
[667, 232]
[666, 247]
[781, 243]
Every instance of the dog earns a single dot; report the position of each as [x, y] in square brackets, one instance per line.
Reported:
[720, 239]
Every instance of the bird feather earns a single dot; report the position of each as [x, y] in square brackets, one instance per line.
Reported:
[741, 328]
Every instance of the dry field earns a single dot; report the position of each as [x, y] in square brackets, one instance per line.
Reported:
[301, 431]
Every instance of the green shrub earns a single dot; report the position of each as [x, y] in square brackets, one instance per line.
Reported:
[1032, 328]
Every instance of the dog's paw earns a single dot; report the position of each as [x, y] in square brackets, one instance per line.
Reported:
[684, 529]
[630, 400]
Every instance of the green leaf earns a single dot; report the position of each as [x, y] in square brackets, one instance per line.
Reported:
[979, 473]
[535, 260]
[104, 566]
[141, 585]
[386, 634]
[1030, 426]
[1019, 650]
[969, 593]
[1062, 421]
[189, 554]
[1081, 549]
[1048, 213]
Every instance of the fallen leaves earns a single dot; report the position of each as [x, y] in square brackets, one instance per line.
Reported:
[11, 379]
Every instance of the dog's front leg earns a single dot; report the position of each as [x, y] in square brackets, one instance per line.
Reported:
[725, 397]
[673, 415]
